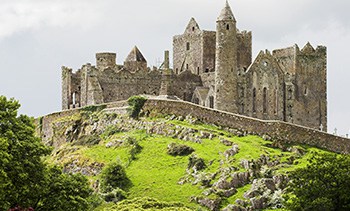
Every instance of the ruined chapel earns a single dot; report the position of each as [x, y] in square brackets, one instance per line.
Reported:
[213, 69]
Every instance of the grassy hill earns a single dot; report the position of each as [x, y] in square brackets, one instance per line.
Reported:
[227, 169]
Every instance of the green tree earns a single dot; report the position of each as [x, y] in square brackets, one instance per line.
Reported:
[25, 180]
[64, 192]
[22, 169]
[323, 185]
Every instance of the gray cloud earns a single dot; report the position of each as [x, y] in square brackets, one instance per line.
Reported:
[37, 37]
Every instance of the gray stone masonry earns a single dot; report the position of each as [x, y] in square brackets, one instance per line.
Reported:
[214, 69]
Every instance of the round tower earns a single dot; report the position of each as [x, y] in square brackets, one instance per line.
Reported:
[225, 95]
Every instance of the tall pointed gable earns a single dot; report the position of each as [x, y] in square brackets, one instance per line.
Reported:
[135, 55]
[192, 26]
[226, 13]
[308, 48]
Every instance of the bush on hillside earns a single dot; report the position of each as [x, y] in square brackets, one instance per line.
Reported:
[135, 105]
[179, 149]
[114, 176]
[143, 204]
[322, 185]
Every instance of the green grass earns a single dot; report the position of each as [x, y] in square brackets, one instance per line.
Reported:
[156, 174]
[239, 194]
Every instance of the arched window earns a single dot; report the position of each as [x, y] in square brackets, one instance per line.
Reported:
[276, 101]
[242, 108]
[254, 100]
[290, 93]
[188, 46]
[211, 102]
[74, 98]
[227, 26]
[196, 100]
[265, 100]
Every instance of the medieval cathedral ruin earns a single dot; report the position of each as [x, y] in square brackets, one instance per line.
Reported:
[214, 69]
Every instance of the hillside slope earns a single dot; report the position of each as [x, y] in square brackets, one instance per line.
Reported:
[226, 170]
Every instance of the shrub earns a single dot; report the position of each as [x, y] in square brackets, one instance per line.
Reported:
[113, 194]
[322, 185]
[135, 105]
[135, 147]
[114, 176]
[94, 108]
[110, 130]
[147, 204]
[179, 149]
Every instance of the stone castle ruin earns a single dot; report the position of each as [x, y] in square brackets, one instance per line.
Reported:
[214, 69]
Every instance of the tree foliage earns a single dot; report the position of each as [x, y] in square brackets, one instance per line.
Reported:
[114, 176]
[64, 191]
[25, 180]
[135, 105]
[323, 185]
[22, 170]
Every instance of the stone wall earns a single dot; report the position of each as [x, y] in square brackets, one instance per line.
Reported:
[311, 94]
[47, 125]
[188, 49]
[276, 130]
[244, 49]
[282, 131]
[264, 87]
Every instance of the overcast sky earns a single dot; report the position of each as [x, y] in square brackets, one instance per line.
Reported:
[37, 37]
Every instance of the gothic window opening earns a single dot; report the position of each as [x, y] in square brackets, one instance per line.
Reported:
[197, 70]
[254, 100]
[290, 93]
[193, 28]
[211, 102]
[265, 100]
[188, 46]
[186, 66]
[276, 101]
[289, 111]
[227, 26]
[74, 98]
[196, 100]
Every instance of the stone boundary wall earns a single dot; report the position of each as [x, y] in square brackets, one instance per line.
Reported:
[277, 130]
[44, 127]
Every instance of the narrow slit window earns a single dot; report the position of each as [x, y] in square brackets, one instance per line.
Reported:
[211, 102]
[265, 100]
[254, 100]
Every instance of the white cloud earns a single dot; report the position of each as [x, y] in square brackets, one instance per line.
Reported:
[20, 15]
